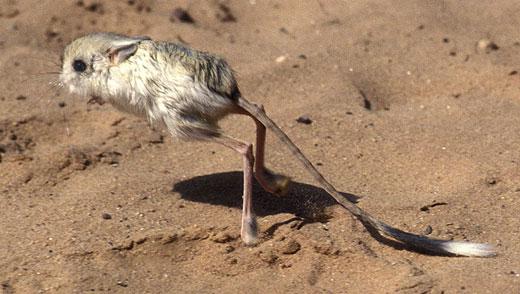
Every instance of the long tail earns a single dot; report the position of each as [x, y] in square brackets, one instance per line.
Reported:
[436, 246]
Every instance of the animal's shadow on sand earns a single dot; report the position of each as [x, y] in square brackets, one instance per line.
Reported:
[225, 189]
[304, 201]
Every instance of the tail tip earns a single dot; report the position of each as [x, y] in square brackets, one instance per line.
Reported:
[469, 249]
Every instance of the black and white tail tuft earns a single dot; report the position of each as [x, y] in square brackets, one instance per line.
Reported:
[444, 247]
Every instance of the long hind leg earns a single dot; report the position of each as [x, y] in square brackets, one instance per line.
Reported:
[249, 229]
[270, 181]
[210, 133]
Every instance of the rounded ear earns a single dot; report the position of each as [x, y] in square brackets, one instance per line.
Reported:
[120, 50]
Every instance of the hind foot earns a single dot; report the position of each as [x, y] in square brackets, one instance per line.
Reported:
[249, 231]
[273, 183]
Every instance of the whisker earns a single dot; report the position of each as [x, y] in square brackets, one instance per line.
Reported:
[56, 86]
[39, 59]
[39, 76]
[56, 83]
[49, 73]
[66, 122]
[46, 73]
[47, 94]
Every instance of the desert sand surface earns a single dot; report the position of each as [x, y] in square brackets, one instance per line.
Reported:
[413, 112]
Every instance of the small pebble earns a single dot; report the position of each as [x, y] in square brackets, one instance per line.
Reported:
[109, 157]
[62, 104]
[428, 230]
[304, 119]
[290, 247]
[487, 45]
[268, 256]
[233, 261]
[182, 15]
[229, 249]
[27, 178]
[156, 138]
[491, 181]
[225, 14]
[122, 283]
[106, 215]
[281, 59]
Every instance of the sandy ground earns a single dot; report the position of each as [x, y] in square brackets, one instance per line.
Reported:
[410, 117]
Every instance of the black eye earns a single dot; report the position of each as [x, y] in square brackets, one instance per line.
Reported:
[79, 65]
